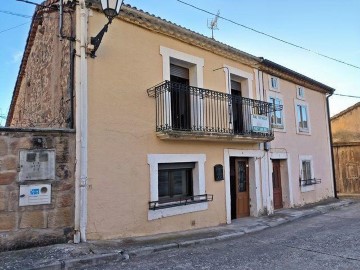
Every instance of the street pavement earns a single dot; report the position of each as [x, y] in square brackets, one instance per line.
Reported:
[324, 235]
[327, 241]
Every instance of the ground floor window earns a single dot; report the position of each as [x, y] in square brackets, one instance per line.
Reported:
[175, 180]
[307, 179]
[177, 184]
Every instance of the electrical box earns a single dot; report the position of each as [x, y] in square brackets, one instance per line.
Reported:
[34, 194]
[37, 164]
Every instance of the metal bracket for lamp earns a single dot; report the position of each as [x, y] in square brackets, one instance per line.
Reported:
[95, 41]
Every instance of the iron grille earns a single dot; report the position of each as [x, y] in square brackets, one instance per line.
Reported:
[154, 205]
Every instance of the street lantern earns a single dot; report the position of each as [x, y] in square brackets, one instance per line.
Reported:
[111, 9]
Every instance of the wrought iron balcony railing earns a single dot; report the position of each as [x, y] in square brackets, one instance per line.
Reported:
[187, 109]
[309, 182]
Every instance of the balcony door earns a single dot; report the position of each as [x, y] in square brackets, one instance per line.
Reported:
[237, 109]
[180, 98]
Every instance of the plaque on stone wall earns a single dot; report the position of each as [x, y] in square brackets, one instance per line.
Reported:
[37, 164]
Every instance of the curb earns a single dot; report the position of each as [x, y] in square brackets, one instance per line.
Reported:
[92, 260]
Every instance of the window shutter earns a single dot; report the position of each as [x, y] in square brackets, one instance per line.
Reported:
[179, 165]
[178, 71]
[235, 85]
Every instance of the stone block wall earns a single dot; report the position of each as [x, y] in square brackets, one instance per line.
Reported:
[35, 225]
[42, 95]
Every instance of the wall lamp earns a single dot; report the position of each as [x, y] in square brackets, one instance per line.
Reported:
[111, 9]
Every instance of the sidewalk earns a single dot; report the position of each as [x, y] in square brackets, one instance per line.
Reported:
[75, 256]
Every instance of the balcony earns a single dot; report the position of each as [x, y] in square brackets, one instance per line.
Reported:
[192, 113]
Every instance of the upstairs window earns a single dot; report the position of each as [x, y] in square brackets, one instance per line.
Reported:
[274, 83]
[302, 118]
[277, 116]
[300, 92]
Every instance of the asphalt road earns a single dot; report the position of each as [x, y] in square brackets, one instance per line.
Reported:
[329, 241]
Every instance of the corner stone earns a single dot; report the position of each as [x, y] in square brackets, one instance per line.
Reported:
[7, 178]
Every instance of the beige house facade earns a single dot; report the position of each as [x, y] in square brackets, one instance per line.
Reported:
[177, 131]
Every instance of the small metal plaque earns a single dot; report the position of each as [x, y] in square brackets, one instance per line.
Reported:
[37, 164]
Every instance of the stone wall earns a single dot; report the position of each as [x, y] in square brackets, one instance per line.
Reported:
[35, 225]
[43, 89]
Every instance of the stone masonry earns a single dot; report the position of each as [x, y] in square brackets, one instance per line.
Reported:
[35, 225]
[42, 93]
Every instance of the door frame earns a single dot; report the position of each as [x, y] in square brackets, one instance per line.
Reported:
[254, 173]
[278, 163]
[282, 156]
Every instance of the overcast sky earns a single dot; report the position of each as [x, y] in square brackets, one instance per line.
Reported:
[329, 27]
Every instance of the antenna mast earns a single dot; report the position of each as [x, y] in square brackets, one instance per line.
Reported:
[212, 24]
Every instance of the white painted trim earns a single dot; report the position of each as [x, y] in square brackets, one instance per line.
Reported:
[168, 53]
[179, 210]
[257, 154]
[198, 180]
[246, 84]
[258, 94]
[302, 103]
[310, 158]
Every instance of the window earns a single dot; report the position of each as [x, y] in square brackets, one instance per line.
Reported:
[175, 180]
[274, 83]
[277, 116]
[175, 176]
[300, 92]
[307, 181]
[302, 118]
[306, 170]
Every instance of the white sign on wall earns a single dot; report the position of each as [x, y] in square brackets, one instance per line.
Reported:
[260, 123]
[35, 194]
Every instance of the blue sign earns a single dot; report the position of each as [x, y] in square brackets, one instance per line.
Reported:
[34, 191]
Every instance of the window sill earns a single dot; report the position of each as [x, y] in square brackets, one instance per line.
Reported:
[304, 132]
[307, 188]
[177, 210]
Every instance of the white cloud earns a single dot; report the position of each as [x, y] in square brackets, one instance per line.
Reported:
[17, 56]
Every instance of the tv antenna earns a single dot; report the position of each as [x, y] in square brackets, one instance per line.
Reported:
[212, 24]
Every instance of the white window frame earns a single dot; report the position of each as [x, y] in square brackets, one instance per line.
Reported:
[280, 128]
[298, 90]
[277, 87]
[198, 183]
[298, 129]
[196, 78]
[245, 79]
[306, 158]
[196, 72]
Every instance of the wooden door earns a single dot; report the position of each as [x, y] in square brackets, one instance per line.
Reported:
[242, 187]
[277, 192]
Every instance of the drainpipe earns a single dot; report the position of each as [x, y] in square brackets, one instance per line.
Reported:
[331, 144]
[81, 126]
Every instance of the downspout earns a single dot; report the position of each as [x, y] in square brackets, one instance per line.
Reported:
[331, 145]
[81, 126]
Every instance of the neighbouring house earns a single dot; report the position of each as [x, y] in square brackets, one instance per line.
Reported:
[345, 127]
[175, 130]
